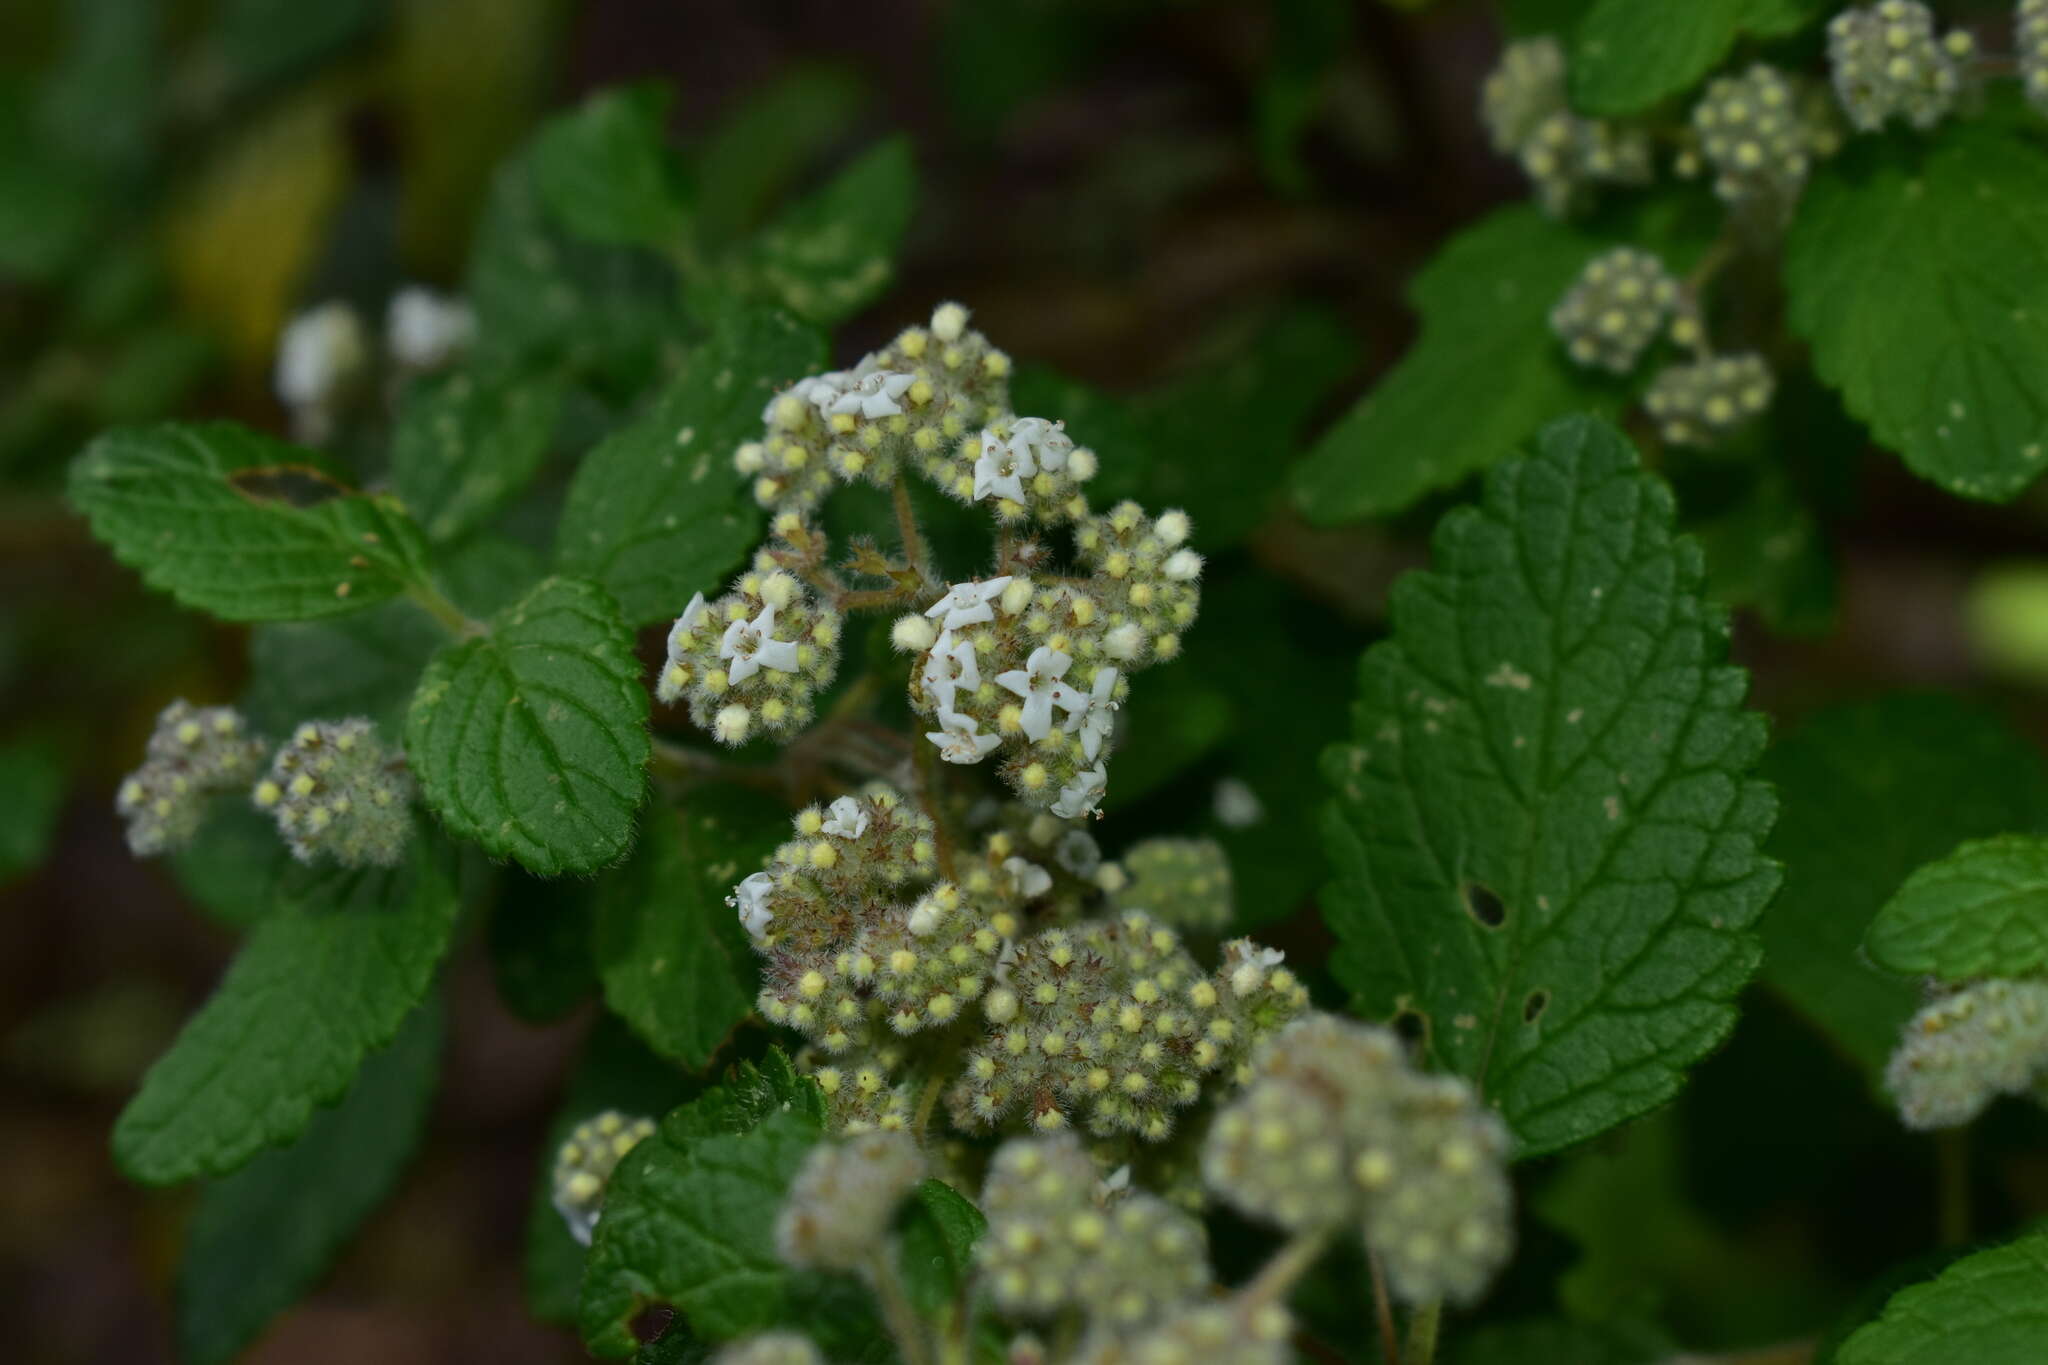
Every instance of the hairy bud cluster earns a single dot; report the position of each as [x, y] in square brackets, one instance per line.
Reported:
[1523, 105]
[1966, 1049]
[584, 1166]
[1113, 1025]
[753, 660]
[841, 1203]
[194, 753]
[1761, 133]
[1058, 1239]
[335, 789]
[2030, 43]
[916, 399]
[1701, 403]
[770, 1348]
[1238, 1331]
[1615, 309]
[1888, 64]
[1335, 1127]
[1184, 883]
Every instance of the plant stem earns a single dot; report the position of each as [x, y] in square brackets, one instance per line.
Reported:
[926, 1103]
[915, 550]
[1289, 1264]
[1383, 1311]
[451, 617]
[1422, 1333]
[926, 762]
[1952, 1178]
[904, 1324]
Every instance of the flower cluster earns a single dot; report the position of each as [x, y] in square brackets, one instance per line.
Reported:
[1761, 133]
[334, 789]
[1112, 1025]
[1967, 1048]
[771, 1348]
[754, 659]
[1058, 1238]
[1240, 1331]
[2030, 42]
[1888, 64]
[1336, 1128]
[194, 753]
[840, 1205]
[1700, 403]
[1182, 883]
[584, 1166]
[324, 355]
[1527, 117]
[1615, 309]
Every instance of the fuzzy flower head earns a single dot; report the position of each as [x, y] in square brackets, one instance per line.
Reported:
[2030, 41]
[1967, 1048]
[336, 790]
[1147, 580]
[1706, 401]
[1615, 309]
[1887, 63]
[754, 660]
[1237, 1331]
[770, 1348]
[584, 1166]
[841, 1203]
[1184, 883]
[1761, 133]
[1029, 467]
[1527, 117]
[194, 753]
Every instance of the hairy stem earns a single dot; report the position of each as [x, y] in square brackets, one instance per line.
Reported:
[1422, 1333]
[926, 762]
[451, 617]
[1289, 1264]
[1383, 1311]
[926, 1103]
[915, 549]
[904, 1324]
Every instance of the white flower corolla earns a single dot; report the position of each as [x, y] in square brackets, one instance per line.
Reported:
[1002, 467]
[874, 395]
[424, 330]
[912, 634]
[1038, 683]
[951, 665]
[968, 604]
[322, 353]
[1083, 794]
[752, 646]
[1173, 526]
[1046, 442]
[846, 818]
[1126, 641]
[750, 897]
[960, 740]
[949, 320]
[1252, 962]
[1095, 718]
[1182, 566]
[1027, 878]
[685, 623]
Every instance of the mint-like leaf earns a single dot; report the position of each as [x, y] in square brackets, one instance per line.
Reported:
[1627, 56]
[364, 665]
[1987, 1309]
[1980, 911]
[834, 252]
[673, 959]
[239, 524]
[655, 512]
[324, 979]
[264, 1235]
[1545, 835]
[603, 171]
[467, 443]
[940, 1228]
[1948, 362]
[532, 738]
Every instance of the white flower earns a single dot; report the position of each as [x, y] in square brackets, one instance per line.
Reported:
[951, 665]
[321, 352]
[924, 917]
[1113, 1184]
[1249, 963]
[1182, 566]
[685, 625]
[1078, 853]
[1172, 527]
[1095, 717]
[960, 740]
[1124, 642]
[1002, 468]
[967, 604]
[751, 897]
[846, 818]
[752, 646]
[873, 396]
[1038, 683]
[912, 633]
[1027, 878]
[424, 330]
[1047, 442]
[1237, 806]
[1082, 795]
[949, 320]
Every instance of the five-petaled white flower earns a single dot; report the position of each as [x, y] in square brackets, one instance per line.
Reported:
[751, 897]
[967, 604]
[960, 740]
[1038, 683]
[1047, 442]
[685, 625]
[873, 395]
[1095, 716]
[752, 646]
[1027, 878]
[846, 818]
[950, 665]
[1002, 468]
[1083, 794]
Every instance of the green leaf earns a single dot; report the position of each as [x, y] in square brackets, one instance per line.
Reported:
[466, 443]
[1765, 551]
[673, 959]
[1484, 374]
[689, 1217]
[1545, 838]
[1980, 911]
[1545, 1339]
[1948, 362]
[532, 738]
[233, 867]
[603, 171]
[366, 665]
[759, 147]
[1627, 56]
[1868, 792]
[239, 524]
[655, 512]
[1990, 1308]
[937, 1253]
[325, 979]
[265, 1235]
[540, 946]
[32, 775]
[834, 252]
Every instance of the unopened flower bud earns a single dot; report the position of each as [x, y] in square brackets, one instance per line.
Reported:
[584, 1166]
[194, 753]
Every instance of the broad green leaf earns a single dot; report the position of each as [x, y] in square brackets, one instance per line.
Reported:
[531, 739]
[233, 867]
[325, 979]
[675, 963]
[467, 443]
[689, 1217]
[260, 41]
[1948, 362]
[655, 512]
[1980, 911]
[1764, 551]
[762, 144]
[940, 1229]
[32, 776]
[834, 252]
[265, 1235]
[366, 665]
[1990, 1308]
[603, 171]
[242, 525]
[1545, 834]
[540, 945]
[1868, 792]
[1626, 56]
